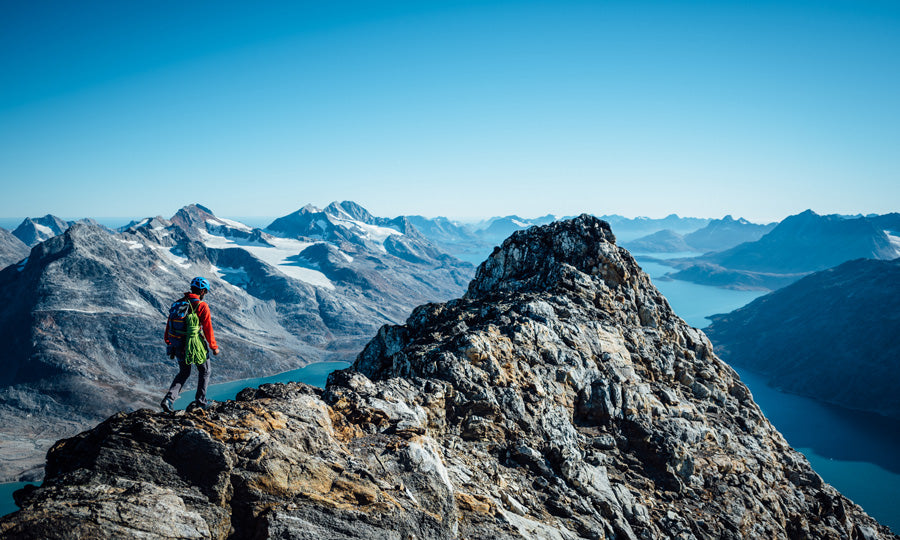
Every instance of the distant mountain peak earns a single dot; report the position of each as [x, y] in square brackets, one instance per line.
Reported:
[33, 231]
[349, 210]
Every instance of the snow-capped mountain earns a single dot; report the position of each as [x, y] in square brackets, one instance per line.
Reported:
[33, 231]
[82, 318]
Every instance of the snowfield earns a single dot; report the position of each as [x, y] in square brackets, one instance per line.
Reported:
[895, 242]
[372, 232]
[278, 255]
[132, 244]
[44, 231]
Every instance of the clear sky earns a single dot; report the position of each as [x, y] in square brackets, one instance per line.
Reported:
[461, 108]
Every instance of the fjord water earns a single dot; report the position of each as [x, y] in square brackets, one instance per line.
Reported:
[856, 452]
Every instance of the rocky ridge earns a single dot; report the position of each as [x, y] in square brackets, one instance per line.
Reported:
[797, 246]
[559, 398]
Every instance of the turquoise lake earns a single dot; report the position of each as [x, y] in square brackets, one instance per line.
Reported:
[855, 452]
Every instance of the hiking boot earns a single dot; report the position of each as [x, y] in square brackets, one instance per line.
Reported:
[166, 405]
[196, 405]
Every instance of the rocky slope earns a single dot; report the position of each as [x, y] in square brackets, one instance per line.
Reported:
[559, 398]
[82, 320]
[831, 336]
[12, 249]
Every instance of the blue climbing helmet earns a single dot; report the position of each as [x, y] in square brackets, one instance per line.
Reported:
[200, 283]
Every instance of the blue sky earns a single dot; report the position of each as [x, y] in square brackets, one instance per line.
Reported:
[464, 109]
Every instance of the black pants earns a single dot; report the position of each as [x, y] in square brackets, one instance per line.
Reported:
[184, 371]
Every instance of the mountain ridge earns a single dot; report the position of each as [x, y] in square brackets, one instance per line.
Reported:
[798, 245]
[559, 398]
[84, 314]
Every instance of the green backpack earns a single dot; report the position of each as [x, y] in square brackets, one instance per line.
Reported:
[194, 349]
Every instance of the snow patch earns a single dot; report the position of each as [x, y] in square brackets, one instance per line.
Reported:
[176, 257]
[132, 244]
[233, 224]
[374, 233]
[518, 223]
[281, 254]
[895, 242]
[22, 264]
[44, 231]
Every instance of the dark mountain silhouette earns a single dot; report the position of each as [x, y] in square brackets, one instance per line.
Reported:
[831, 335]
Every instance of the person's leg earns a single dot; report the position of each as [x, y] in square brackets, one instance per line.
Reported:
[203, 372]
[184, 371]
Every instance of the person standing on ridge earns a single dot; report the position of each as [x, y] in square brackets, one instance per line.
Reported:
[185, 342]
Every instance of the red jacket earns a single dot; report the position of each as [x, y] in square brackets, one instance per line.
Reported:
[205, 322]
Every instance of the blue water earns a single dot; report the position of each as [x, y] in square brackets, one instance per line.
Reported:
[314, 374]
[856, 452]
[692, 302]
[7, 505]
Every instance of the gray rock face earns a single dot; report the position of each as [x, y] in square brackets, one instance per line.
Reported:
[33, 231]
[12, 250]
[559, 398]
[831, 336]
[82, 321]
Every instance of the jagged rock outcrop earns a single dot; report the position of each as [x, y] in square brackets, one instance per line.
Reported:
[831, 336]
[559, 398]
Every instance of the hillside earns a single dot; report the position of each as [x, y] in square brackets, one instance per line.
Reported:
[831, 336]
[12, 249]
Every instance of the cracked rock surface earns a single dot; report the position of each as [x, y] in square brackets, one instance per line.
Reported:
[560, 398]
